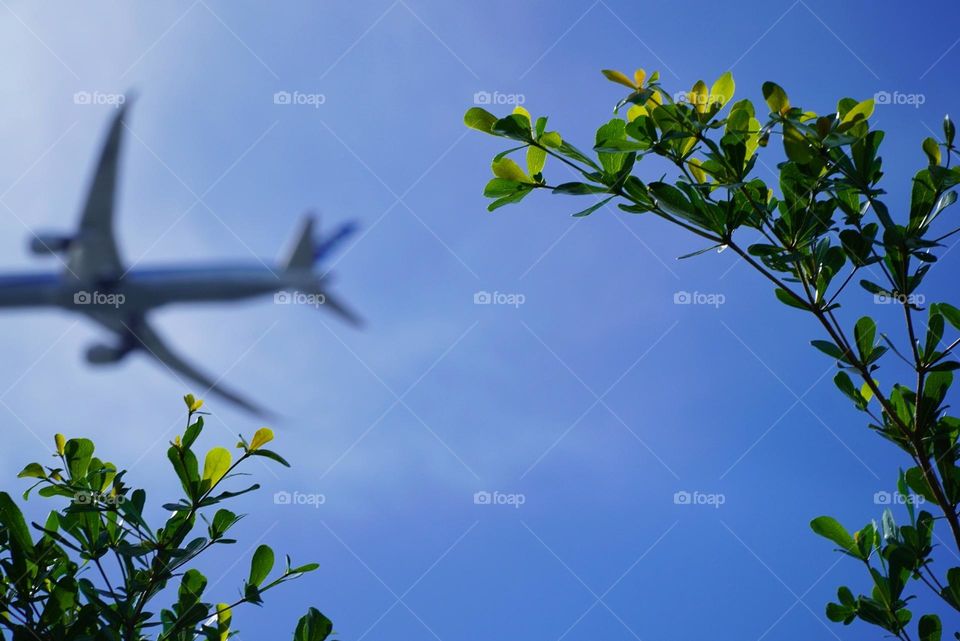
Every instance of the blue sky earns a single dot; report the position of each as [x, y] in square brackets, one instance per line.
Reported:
[596, 400]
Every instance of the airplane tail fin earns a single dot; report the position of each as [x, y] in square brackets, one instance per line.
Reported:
[307, 249]
[301, 255]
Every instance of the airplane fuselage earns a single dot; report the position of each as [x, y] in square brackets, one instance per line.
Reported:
[141, 290]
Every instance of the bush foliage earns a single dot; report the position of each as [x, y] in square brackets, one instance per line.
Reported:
[95, 568]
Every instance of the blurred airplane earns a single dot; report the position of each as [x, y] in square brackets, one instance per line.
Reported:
[95, 283]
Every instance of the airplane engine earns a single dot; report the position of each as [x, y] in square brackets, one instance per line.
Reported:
[46, 244]
[102, 354]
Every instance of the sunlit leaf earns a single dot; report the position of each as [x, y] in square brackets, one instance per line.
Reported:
[479, 119]
[262, 436]
[619, 77]
[776, 98]
[215, 465]
[509, 170]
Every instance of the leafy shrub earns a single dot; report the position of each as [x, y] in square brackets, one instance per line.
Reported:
[96, 565]
[828, 224]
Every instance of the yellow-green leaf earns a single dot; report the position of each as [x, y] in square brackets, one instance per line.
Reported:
[862, 110]
[32, 470]
[479, 119]
[60, 440]
[224, 618]
[776, 97]
[932, 150]
[639, 76]
[551, 139]
[509, 170]
[618, 77]
[722, 90]
[635, 111]
[698, 173]
[655, 101]
[216, 464]
[262, 436]
[521, 111]
[698, 96]
[866, 392]
[536, 158]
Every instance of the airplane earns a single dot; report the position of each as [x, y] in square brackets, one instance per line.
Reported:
[95, 283]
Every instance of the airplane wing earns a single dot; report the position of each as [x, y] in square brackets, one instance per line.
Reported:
[93, 254]
[145, 338]
[341, 310]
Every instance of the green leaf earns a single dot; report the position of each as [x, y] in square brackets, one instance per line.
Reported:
[515, 197]
[192, 432]
[579, 189]
[776, 97]
[845, 385]
[184, 463]
[509, 170]
[949, 130]
[515, 126]
[862, 111]
[592, 208]
[479, 119]
[536, 159]
[673, 201]
[788, 299]
[78, 452]
[929, 628]
[215, 465]
[551, 139]
[499, 187]
[273, 456]
[829, 528]
[722, 90]
[932, 150]
[795, 145]
[11, 518]
[223, 520]
[866, 539]
[865, 333]
[32, 470]
[612, 131]
[830, 349]
[945, 201]
[191, 588]
[917, 483]
[951, 313]
[260, 565]
[313, 626]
